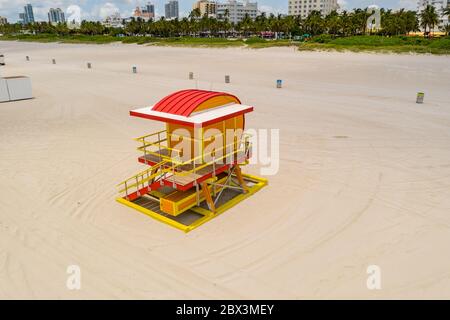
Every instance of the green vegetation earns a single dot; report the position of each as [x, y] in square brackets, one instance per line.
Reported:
[429, 18]
[197, 42]
[336, 31]
[397, 44]
[180, 41]
[259, 43]
[44, 37]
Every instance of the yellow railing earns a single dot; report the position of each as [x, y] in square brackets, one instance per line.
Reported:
[244, 149]
[170, 165]
[138, 181]
[150, 135]
[160, 144]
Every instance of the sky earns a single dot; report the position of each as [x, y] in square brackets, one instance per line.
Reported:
[98, 9]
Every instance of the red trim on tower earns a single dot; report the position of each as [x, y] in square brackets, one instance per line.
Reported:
[162, 119]
[187, 123]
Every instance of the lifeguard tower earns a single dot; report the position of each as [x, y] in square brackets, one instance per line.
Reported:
[195, 163]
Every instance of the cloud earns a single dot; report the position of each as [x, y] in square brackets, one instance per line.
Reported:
[342, 4]
[12, 8]
[269, 9]
[107, 9]
[408, 4]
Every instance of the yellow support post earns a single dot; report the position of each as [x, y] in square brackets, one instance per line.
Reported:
[208, 197]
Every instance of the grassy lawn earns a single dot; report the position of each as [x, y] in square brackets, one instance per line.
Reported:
[192, 42]
[398, 44]
[63, 39]
[258, 43]
[181, 41]
[198, 42]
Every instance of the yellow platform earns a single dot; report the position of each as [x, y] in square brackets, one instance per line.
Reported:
[185, 214]
[178, 202]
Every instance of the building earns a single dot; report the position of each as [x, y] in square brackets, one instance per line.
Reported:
[29, 13]
[440, 5]
[235, 11]
[22, 18]
[3, 20]
[145, 13]
[205, 7]
[27, 16]
[171, 10]
[56, 16]
[114, 21]
[304, 7]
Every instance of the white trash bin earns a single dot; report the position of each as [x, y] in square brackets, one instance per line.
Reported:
[19, 88]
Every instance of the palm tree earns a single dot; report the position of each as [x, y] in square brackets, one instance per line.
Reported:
[195, 14]
[346, 23]
[429, 18]
[288, 24]
[246, 25]
[261, 22]
[446, 12]
[360, 17]
[446, 29]
[314, 23]
[333, 23]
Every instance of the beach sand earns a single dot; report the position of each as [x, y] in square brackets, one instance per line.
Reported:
[364, 176]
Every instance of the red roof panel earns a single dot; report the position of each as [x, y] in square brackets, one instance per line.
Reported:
[185, 102]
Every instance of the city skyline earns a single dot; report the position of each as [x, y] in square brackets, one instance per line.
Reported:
[100, 9]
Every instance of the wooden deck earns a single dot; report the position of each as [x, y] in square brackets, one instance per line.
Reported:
[183, 180]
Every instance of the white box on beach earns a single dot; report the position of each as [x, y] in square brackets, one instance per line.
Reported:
[19, 88]
[4, 95]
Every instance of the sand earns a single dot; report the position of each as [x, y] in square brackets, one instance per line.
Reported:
[364, 176]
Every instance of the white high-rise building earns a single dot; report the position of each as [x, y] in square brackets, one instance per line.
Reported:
[236, 11]
[440, 5]
[304, 7]
[113, 21]
[28, 15]
[171, 9]
[56, 16]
